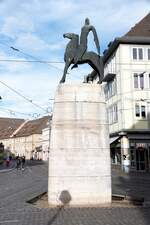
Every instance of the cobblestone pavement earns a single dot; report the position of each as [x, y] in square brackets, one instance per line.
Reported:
[136, 184]
[16, 187]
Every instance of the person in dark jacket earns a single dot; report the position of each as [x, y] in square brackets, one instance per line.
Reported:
[23, 160]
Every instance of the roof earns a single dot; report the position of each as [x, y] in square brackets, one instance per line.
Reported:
[139, 34]
[33, 127]
[8, 126]
[142, 28]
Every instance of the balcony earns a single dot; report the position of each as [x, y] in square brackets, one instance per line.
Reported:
[109, 77]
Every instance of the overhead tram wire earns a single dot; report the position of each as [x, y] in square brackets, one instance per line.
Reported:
[30, 61]
[14, 112]
[28, 55]
[37, 60]
[21, 95]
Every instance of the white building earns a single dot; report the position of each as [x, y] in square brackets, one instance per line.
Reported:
[46, 143]
[127, 91]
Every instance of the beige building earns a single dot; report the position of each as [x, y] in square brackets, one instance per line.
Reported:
[127, 92]
[46, 142]
[23, 137]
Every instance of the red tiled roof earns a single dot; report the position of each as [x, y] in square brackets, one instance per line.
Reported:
[8, 126]
[141, 29]
[33, 127]
[139, 34]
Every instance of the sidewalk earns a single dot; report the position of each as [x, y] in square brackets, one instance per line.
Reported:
[134, 184]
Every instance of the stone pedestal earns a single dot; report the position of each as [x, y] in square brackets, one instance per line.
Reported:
[79, 162]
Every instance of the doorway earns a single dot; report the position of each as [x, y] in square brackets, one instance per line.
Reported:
[142, 159]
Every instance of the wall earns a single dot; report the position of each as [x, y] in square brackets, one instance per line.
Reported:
[23, 145]
[122, 64]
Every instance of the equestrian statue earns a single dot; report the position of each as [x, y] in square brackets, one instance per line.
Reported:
[76, 53]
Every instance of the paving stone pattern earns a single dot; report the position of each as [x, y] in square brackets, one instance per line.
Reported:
[16, 187]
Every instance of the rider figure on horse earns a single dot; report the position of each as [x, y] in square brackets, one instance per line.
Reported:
[84, 40]
[76, 52]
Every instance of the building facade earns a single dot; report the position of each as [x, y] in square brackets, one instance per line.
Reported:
[127, 91]
[23, 138]
[46, 143]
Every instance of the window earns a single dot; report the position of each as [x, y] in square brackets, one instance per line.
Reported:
[112, 114]
[137, 110]
[140, 110]
[137, 53]
[135, 80]
[134, 53]
[143, 113]
[140, 52]
[148, 53]
[141, 81]
[115, 113]
[106, 91]
[138, 80]
[110, 89]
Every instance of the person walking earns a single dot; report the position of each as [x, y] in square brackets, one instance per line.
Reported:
[23, 160]
[18, 162]
[7, 162]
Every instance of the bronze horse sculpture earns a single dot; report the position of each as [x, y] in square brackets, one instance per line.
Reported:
[71, 57]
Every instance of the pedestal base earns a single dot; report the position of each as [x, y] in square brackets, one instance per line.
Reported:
[79, 162]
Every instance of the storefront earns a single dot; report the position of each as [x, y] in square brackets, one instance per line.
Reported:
[133, 148]
[140, 156]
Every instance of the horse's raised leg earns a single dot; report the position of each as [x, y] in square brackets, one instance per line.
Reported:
[64, 74]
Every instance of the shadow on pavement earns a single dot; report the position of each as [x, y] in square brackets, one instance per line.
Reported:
[56, 215]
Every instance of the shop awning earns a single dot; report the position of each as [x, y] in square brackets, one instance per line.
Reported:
[112, 139]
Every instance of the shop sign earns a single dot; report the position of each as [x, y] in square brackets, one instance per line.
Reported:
[140, 145]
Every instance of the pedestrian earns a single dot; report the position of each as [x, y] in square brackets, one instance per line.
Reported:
[7, 162]
[18, 162]
[23, 160]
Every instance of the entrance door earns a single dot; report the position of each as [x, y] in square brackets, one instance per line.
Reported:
[141, 159]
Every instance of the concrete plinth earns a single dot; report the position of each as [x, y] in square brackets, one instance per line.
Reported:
[79, 162]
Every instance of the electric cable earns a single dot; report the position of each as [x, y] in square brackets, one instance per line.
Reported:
[24, 97]
[28, 55]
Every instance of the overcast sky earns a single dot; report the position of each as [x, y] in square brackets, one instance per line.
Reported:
[36, 27]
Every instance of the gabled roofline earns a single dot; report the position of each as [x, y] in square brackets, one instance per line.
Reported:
[124, 40]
